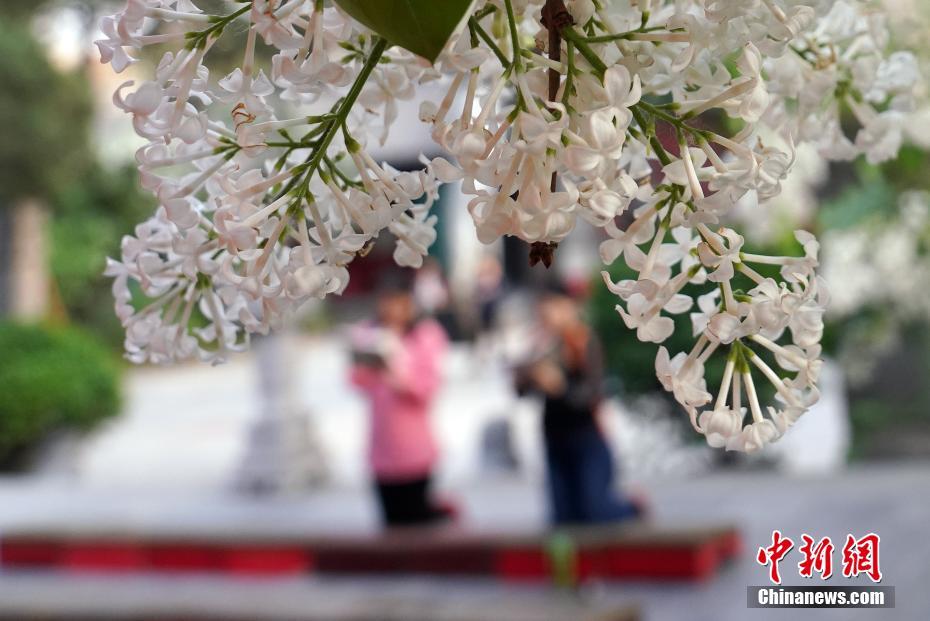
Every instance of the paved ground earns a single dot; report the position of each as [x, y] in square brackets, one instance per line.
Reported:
[184, 428]
[316, 599]
[167, 465]
[890, 500]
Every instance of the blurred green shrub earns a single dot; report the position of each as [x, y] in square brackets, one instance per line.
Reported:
[51, 379]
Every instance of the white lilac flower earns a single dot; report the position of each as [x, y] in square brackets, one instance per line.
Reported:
[266, 190]
[720, 426]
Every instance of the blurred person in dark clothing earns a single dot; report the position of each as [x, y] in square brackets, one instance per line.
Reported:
[489, 287]
[566, 369]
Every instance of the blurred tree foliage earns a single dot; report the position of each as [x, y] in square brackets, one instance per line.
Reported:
[44, 143]
[92, 216]
[51, 379]
[890, 411]
[626, 358]
[45, 152]
[631, 363]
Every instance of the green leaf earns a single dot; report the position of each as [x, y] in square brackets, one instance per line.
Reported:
[857, 204]
[421, 26]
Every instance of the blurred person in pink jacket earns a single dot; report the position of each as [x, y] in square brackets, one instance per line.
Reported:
[397, 365]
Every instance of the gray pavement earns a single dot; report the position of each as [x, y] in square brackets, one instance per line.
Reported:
[166, 466]
[889, 499]
[184, 428]
[293, 599]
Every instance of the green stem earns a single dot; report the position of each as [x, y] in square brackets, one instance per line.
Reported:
[650, 131]
[660, 150]
[580, 42]
[570, 73]
[336, 171]
[662, 114]
[200, 37]
[626, 35]
[308, 168]
[514, 36]
[487, 10]
[484, 36]
[348, 101]
[677, 122]
[802, 54]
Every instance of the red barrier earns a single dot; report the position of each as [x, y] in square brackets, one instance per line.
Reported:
[268, 560]
[645, 552]
[102, 556]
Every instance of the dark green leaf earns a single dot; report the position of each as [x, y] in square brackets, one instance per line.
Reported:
[421, 26]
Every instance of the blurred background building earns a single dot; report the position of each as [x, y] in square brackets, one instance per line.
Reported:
[88, 439]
